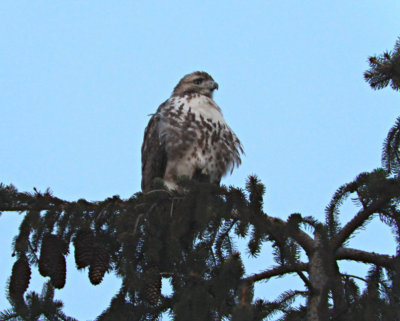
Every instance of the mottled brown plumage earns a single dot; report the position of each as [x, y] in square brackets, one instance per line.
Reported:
[188, 136]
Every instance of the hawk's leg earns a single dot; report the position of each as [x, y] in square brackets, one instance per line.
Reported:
[176, 169]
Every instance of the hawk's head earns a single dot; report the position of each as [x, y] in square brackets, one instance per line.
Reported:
[198, 82]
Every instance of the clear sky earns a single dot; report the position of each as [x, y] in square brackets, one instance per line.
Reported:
[79, 78]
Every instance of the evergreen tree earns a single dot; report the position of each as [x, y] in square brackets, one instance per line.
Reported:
[188, 238]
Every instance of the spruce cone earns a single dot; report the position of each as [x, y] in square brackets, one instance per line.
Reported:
[52, 261]
[83, 243]
[49, 252]
[152, 291]
[60, 271]
[20, 277]
[99, 265]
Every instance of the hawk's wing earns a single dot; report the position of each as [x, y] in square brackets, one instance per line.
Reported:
[154, 156]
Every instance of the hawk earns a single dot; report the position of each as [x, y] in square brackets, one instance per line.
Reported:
[188, 136]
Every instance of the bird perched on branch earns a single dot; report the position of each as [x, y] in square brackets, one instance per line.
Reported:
[188, 136]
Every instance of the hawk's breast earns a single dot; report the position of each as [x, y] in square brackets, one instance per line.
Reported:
[197, 137]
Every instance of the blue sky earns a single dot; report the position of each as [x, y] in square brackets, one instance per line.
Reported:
[79, 78]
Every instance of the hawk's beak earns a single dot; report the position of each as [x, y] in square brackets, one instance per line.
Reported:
[214, 85]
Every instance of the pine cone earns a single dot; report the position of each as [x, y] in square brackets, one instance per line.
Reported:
[83, 243]
[99, 265]
[60, 271]
[152, 291]
[20, 277]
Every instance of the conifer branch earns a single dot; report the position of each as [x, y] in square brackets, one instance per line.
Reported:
[220, 238]
[277, 271]
[13, 201]
[384, 285]
[345, 275]
[304, 278]
[286, 298]
[385, 69]
[158, 191]
[355, 223]
[302, 238]
[139, 217]
[384, 260]
[33, 251]
[8, 314]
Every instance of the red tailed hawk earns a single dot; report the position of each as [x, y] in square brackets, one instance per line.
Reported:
[188, 136]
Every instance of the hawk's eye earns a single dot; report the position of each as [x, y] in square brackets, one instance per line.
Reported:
[198, 81]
